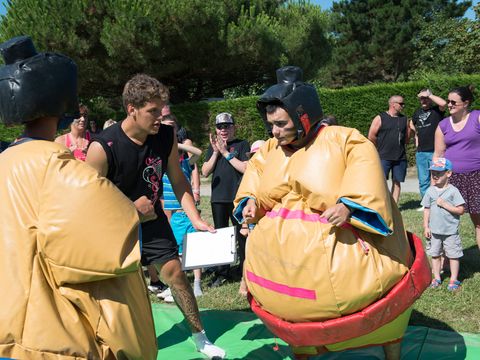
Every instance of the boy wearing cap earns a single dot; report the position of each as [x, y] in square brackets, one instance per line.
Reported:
[227, 160]
[443, 206]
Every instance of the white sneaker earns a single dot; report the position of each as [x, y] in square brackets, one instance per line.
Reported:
[169, 299]
[206, 347]
[165, 293]
[420, 208]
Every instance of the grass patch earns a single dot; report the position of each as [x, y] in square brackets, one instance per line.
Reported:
[437, 308]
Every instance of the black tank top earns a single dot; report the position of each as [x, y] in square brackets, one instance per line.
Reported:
[391, 137]
[137, 170]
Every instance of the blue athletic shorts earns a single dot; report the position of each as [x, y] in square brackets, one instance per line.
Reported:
[398, 168]
[181, 225]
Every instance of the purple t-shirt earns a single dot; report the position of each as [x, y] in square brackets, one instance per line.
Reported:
[463, 147]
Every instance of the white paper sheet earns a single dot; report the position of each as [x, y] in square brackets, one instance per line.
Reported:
[204, 249]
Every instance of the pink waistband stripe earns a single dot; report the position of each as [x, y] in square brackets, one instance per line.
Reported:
[280, 288]
[296, 214]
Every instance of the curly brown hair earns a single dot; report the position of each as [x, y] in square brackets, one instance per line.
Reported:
[142, 88]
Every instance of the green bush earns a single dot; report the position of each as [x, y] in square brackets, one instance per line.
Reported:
[354, 107]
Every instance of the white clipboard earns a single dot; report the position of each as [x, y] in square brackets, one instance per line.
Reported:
[204, 249]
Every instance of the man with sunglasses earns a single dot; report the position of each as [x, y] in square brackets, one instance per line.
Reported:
[423, 124]
[390, 132]
[227, 160]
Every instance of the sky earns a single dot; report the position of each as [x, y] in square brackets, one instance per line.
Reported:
[325, 4]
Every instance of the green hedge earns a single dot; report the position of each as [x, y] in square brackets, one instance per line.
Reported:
[354, 107]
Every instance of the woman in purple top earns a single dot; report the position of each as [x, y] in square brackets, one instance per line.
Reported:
[457, 138]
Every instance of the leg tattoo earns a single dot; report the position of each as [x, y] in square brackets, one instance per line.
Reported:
[188, 306]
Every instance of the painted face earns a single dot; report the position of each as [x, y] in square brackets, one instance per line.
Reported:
[455, 103]
[283, 128]
[149, 117]
[225, 131]
[440, 178]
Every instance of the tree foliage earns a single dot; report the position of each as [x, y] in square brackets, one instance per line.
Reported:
[197, 47]
[373, 39]
[448, 46]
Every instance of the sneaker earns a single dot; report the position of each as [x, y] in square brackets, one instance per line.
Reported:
[169, 299]
[164, 294]
[420, 208]
[156, 287]
[219, 281]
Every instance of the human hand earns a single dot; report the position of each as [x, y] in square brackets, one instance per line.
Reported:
[145, 209]
[201, 225]
[337, 214]
[196, 198]
[213, 142]
[222, 146]
[427, 232]
[425, 93]
[442, 203]
[249, 211]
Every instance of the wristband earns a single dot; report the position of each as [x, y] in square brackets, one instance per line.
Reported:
[230, 156]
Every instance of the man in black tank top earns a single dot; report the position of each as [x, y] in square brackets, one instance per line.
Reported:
[134, 154]
[390, 132]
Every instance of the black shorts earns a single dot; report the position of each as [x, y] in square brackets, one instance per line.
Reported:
[398, 169]
[158, 242]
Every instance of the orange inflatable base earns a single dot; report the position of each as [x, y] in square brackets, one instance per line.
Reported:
[395, 304]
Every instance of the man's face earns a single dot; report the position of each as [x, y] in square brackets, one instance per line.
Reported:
[425, 102]
[398, 104]
[225, 131]
[149, 117]
[283, 128]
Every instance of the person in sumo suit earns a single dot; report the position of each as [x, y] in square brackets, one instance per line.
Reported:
[329, 265]
[72, 285]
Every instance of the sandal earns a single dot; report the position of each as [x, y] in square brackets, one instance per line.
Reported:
[454, 285]
[435, 283]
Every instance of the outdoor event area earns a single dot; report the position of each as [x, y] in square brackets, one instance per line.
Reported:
[240, 179]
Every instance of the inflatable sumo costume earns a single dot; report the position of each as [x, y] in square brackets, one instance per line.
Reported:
[70, 273]
[316, 286]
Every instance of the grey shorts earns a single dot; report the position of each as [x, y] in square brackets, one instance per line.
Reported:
[450, 245]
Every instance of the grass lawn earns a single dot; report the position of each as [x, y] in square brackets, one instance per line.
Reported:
[437, 308]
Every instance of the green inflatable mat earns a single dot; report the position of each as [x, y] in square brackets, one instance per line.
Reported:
[244, 336]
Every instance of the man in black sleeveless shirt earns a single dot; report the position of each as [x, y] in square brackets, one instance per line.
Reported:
[390, 132]
[134, 154]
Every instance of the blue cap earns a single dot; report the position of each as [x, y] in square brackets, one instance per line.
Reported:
[440, 164]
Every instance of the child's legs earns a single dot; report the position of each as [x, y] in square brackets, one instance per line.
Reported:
[453, 250]
[435, 251]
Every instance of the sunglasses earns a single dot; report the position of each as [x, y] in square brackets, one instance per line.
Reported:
[452, 102]
[401, 103]
[223, 126]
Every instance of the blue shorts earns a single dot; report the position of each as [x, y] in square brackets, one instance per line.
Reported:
[398, 167]
[181, 225]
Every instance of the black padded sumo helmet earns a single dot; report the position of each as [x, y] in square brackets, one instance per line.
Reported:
[34, 85]
[300, 100]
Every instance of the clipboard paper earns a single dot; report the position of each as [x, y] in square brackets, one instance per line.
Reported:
[203, 249]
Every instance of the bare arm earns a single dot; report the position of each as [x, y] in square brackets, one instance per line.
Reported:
[426, 223]
[442, 104]
[193, 152]
[60, 139]
[456, 210]
[440, 145]
[209, 165]
[97, 158]
[413, 132]
[239, 165]
[183, 191]
[374, 128]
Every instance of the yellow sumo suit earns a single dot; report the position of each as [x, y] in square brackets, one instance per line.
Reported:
[70, 274]
[310, 281]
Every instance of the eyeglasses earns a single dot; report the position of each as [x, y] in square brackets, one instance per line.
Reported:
[452, 102]
[223, 126]
[401, 103]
